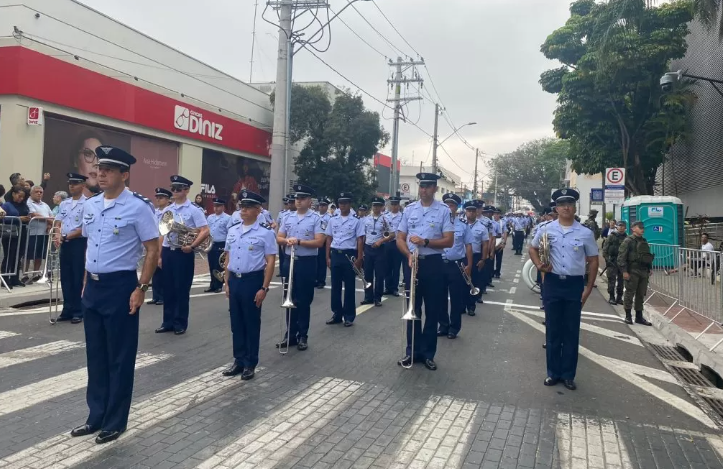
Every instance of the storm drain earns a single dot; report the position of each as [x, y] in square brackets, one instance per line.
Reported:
[691, 376]
[667, 352]
[715, 404]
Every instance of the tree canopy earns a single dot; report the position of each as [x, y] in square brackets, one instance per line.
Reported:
[533, 170]
[611, 107]
[340, 142]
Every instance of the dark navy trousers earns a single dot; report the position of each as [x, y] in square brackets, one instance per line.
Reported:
[498, 262]
[177, 280]
[342, 273]
[562, 297]
[245, 317]
[374, 270]
[394, 260]
[321, 267]
[111, 337]
[213, 258]
[450, 320]
[518, 240]
[72, 270]
[302, 293]
[157, 283]
[431, 293]
[477, 277]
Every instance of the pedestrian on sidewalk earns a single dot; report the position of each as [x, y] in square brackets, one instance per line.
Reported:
[636, 262]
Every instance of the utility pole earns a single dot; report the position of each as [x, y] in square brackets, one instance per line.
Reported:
[399, 79]
[495, 185]
[253, 43]
[476, 160]
[436, 138]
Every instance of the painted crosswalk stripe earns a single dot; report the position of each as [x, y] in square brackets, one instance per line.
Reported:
[274, 437]
[6, 334]
[65, 451]
[40, 391]
[36, 353]
[590, 442]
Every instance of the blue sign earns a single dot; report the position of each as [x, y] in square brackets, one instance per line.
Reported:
[658, 229]
[597, 195]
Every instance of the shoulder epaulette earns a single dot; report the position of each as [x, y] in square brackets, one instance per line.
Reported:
[265, 225]
[142, 197]
[237, 223]
[94, 195]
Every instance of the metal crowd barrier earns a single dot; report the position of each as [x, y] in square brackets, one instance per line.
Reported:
[36, 249]
[691, 279]
[12, 234]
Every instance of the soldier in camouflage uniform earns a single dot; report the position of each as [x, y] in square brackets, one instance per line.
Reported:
[591, 223]
[610, 253]
[636, 262]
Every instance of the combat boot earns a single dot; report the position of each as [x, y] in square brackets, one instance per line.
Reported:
[612, 299]
[619, 299]
[628, 316]
[639, 319]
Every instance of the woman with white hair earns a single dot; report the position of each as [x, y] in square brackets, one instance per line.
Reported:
[58, 198]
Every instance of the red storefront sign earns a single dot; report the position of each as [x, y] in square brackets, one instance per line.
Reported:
[37, 76]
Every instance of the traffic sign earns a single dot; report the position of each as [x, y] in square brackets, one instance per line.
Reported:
[405, 187]
[614, 196]
[615, 178]
[597, 196]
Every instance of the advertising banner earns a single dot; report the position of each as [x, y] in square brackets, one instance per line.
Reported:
[70, 147]
[224, 176]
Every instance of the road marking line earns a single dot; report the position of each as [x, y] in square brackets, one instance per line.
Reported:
[6, 334]
[585, 313]
[273, 437]
[655, 391]
[40, 391]
[65, 451]
[517, 280]
[513, 290]
[364, 308]
[628, 339]
[35, 353]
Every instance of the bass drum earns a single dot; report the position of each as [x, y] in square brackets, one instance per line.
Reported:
[529, 275]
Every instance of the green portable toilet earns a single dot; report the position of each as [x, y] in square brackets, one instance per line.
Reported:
[663, 218]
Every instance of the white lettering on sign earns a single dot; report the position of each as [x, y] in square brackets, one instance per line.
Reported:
[154, 162]
[208, 189]
[35, 116]
[655, 212]
[193, 122]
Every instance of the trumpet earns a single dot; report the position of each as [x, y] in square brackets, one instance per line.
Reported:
[220, 274]
[185, 236]
[288, 303]
[410, 314]
[385, 228]
[474, 291]
[359, 273]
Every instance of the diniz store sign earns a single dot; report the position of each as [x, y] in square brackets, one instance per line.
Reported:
[193, 122]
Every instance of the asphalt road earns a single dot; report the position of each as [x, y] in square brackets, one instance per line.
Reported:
[345, 403]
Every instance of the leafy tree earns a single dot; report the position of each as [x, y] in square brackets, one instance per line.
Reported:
[706, 11]
[610, 105]
[533, 170]
[340, 142]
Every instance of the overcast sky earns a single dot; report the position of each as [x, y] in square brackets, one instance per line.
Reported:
[483, 56]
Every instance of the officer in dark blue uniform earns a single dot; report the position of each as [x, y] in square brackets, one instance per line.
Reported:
[301, 229]
[321, 258]
[218, 227]
[375, 229]
[250, 263]
[480, 243]
[427, 228]
[163, 200]
[345, 241]
[460, 254]
[178, 262]
[394, 257]
[117, 224]
[72, 249]
[571, 245]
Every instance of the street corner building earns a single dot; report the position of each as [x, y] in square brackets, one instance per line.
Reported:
[74, 79]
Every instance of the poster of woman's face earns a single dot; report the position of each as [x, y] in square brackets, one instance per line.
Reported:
[225, 176]
[70, 148]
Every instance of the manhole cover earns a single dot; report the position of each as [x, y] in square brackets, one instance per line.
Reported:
[667, 352]
[715, 404]
[691, 376]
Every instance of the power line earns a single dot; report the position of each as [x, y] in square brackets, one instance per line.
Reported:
[395, 29]
[360, 38]
[396, 49]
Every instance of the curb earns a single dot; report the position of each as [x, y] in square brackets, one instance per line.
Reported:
[678, 337]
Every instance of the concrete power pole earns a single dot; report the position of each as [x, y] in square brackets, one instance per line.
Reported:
[436, 138]
[476, 160]
[398, 101]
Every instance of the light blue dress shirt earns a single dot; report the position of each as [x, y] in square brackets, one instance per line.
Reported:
[247, 250]
[568, 247]
[494, 228]
[518, 224]
[71, 214]
[218, 226]
[393, 219]
[344, 231]
[159, 213]
[324, 220]
[462, 237]
[480, 233]
[304, 228]
[427, 223]
[116, 234]
[192, 216]
[373, 228]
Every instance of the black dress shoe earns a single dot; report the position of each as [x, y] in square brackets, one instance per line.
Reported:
[481, 301]
[334, 320]
[318, 287]
[159, 303]
[544, 345]
[233, 370]
[471, 313]
[406, 361]
[76, 320]
[377, 304]
[210, 290]
[151, 302]
[396, 293]
[163, 329]
[82, 430]
[302, 345]
[348, 323]
[386, 293]
[367, 302]
[179, 331]
[451, 335]
[284, 344]
[551, 381]
[430, 365]
[247, 374]
[63, 318]
[106, 436]
[569, 384]
[441, 334]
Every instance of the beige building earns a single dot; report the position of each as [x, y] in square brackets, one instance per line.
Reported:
[410, 186]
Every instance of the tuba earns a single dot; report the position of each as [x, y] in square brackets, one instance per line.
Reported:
[544, 249]
[220, 274]
[410, 314]
[185, 236]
